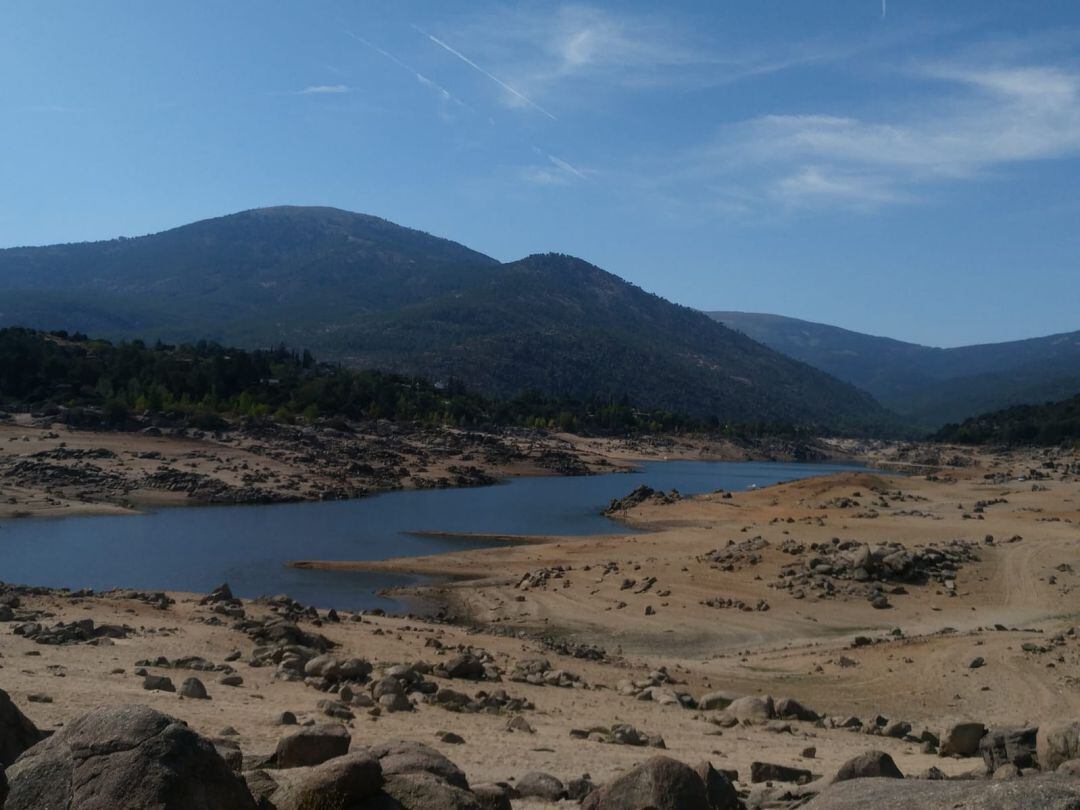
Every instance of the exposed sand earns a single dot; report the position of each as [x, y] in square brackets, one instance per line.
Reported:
[778, 650]
[793, 649]
[49, 469]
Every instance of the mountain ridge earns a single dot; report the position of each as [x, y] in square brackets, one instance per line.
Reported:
[371, 293]
[929, 385]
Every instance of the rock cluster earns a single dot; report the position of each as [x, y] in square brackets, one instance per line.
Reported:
[82, 631]
[619, 734]
[640, 495]
[539, 672]
[738, 554]
[495, 702]
[851, 568]
[657, 686]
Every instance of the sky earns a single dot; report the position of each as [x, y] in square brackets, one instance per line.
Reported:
[908, 168]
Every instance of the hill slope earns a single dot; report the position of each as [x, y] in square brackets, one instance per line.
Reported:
[254, 277]
[1046, 424]
[929, 385]
[374, 294]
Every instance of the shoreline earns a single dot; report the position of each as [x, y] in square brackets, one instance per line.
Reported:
[745, 595]
[51, 470]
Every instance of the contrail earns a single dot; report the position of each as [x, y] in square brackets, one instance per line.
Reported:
[438, 88]
[883, 9]
[566, 167]
[495, 79]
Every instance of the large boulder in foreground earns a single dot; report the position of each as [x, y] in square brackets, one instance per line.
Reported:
[1057, 743]
[17, 733]
[311, 746]
[421, 790]
[658, 783]
[1030, 793]
[407, 756]
[341, 782]
[125, 758]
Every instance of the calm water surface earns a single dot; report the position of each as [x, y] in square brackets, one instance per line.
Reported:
[196, 548]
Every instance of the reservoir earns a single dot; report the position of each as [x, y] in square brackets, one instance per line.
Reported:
[197, 548]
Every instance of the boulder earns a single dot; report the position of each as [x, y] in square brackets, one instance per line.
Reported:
[1030, 793]
[791, 709]
[311, 746]
[193, 688]
[962, 739]
[719, 791]
[466, 666]
[1006, 771]
[750, 709]
[540, 785]
[407, 757]
[491, 797]
[122, 758]
[323, 666]
[715, 701]
[1005, 746]
[658, 783]
[422, 791]
[345, 780]
[772, 772]
[158, 683]
[1070, 767]
[578, 789]
[1057, 743]
[869, 764]
[17, 733]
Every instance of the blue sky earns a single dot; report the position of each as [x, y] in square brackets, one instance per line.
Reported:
[905, 168]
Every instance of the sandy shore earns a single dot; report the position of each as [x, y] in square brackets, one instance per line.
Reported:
[49, 469]
[583, 593]
[660, 599]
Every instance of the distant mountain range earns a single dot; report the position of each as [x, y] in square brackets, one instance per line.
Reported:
[374, 294]
[926, 386]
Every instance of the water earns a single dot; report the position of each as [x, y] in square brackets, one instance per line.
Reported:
[197, 548]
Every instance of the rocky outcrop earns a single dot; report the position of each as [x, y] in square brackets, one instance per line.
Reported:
[125, 757]
[1058, 743]
[962, 739]
[1009, 746]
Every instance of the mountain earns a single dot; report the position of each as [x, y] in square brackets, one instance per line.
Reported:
[373, 294]
[1046, 424]
[929, 386]
[255, 277]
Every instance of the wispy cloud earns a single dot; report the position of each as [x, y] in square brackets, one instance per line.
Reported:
[514, 93]
[981, 118]
[444, 94]
[555, 172]
[567, 167]
[324, 89]
[576, 49]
